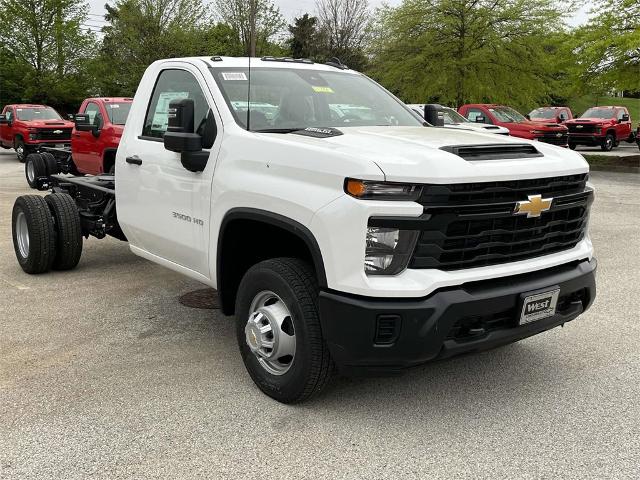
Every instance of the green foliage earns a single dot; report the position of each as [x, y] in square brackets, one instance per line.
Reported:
[608, 47]
[43, 44]
[580, 104]
[305, 39]
[461, 51]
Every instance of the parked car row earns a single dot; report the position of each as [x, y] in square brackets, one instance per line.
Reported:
[45, 141]
[604, 126]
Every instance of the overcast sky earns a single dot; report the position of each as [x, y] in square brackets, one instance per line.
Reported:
[295, 8]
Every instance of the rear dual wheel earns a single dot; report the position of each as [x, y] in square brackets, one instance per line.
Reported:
[46, 232]
[39, 165]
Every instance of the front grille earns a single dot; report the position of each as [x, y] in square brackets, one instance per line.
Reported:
[48, 134]
[554, 139]
[581, 128]
[473, 225]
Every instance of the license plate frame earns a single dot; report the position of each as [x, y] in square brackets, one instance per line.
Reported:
[538, 305]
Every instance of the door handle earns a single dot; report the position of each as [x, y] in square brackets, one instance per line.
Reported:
[135, 160]
[76, 134]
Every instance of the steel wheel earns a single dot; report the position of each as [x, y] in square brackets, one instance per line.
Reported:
[22, 234]
[270, 334]
[31, 172]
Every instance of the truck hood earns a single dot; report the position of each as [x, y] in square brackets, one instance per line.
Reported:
[47, 123]
[535, 125]
[414, 154]
[590, 121]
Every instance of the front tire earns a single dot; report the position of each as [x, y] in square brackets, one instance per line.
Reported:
[34, 167]
[608, 143]
[572, 146]
[21, 149]
[33, 234]
[278, 330]
[68, 230]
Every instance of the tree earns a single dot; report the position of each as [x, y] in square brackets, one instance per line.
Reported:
[344, 24]
[305, 40]
[142, 31]
[48, 46]
[459, 51]
[608, 47]
[256, 23]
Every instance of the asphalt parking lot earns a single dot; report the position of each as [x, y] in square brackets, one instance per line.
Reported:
[103, 373]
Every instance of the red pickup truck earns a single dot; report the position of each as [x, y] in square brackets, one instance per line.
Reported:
[518, 125]
[26, 127]
[604, 126]
[94, 141]
[96, 135]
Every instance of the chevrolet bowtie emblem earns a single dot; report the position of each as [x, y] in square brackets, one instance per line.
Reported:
[578, 126]
[57, 131]
[533, 207]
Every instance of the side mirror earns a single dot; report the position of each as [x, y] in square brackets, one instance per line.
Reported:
[83, 124]
[625, 117]
[180, 136]
[480, 119]
[3, 119]
[527, 116]
[434, 114]
[70, 116]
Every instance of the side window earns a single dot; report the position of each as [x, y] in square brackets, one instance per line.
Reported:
[173, 85]
[9, 114]
[93, 111]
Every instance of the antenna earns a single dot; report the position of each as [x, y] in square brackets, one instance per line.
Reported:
[249, 94]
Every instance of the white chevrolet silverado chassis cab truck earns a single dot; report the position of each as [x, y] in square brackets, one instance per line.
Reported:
[342, 232]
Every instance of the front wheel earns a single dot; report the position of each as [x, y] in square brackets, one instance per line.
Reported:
[608, 142]
[278, 330]
[572, 146]
[21, 150]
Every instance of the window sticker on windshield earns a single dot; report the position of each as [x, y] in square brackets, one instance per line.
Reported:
[19, 109]
[234, 76]
[322, 89]
[114, 105]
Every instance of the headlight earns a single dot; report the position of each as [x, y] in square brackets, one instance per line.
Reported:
[388, 250]
[370, 190]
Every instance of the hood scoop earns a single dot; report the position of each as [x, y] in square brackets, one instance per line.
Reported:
[474, 153]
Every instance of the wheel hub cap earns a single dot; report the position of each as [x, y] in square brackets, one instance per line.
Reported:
[269, 333]
[30, 171]
[22, 235]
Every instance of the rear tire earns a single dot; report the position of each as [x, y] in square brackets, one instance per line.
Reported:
[34, 167]
[51, 162]
[68, 230]
[21, 149]
[288, 285]
[608, 143]
[34, 239]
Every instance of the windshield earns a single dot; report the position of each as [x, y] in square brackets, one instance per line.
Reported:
[291, 99]
[545, 113]
[118, 112]
[452, 117]
[37, 113]
[507, 114]
[598, 112]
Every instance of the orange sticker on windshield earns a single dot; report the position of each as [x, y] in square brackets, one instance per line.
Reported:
[322, 89]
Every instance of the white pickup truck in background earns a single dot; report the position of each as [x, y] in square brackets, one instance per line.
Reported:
[338, 229]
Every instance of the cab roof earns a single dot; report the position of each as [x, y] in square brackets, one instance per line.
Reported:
[29, 105]
[263, 62]
[111, 99]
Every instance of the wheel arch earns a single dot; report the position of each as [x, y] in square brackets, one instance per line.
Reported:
[232, 260]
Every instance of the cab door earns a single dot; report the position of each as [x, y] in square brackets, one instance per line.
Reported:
[164, 208]
[6, 131]
[623, 127]
[84, 145]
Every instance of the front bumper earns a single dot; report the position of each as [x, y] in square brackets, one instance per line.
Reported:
[451, 321]
[585, 139]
